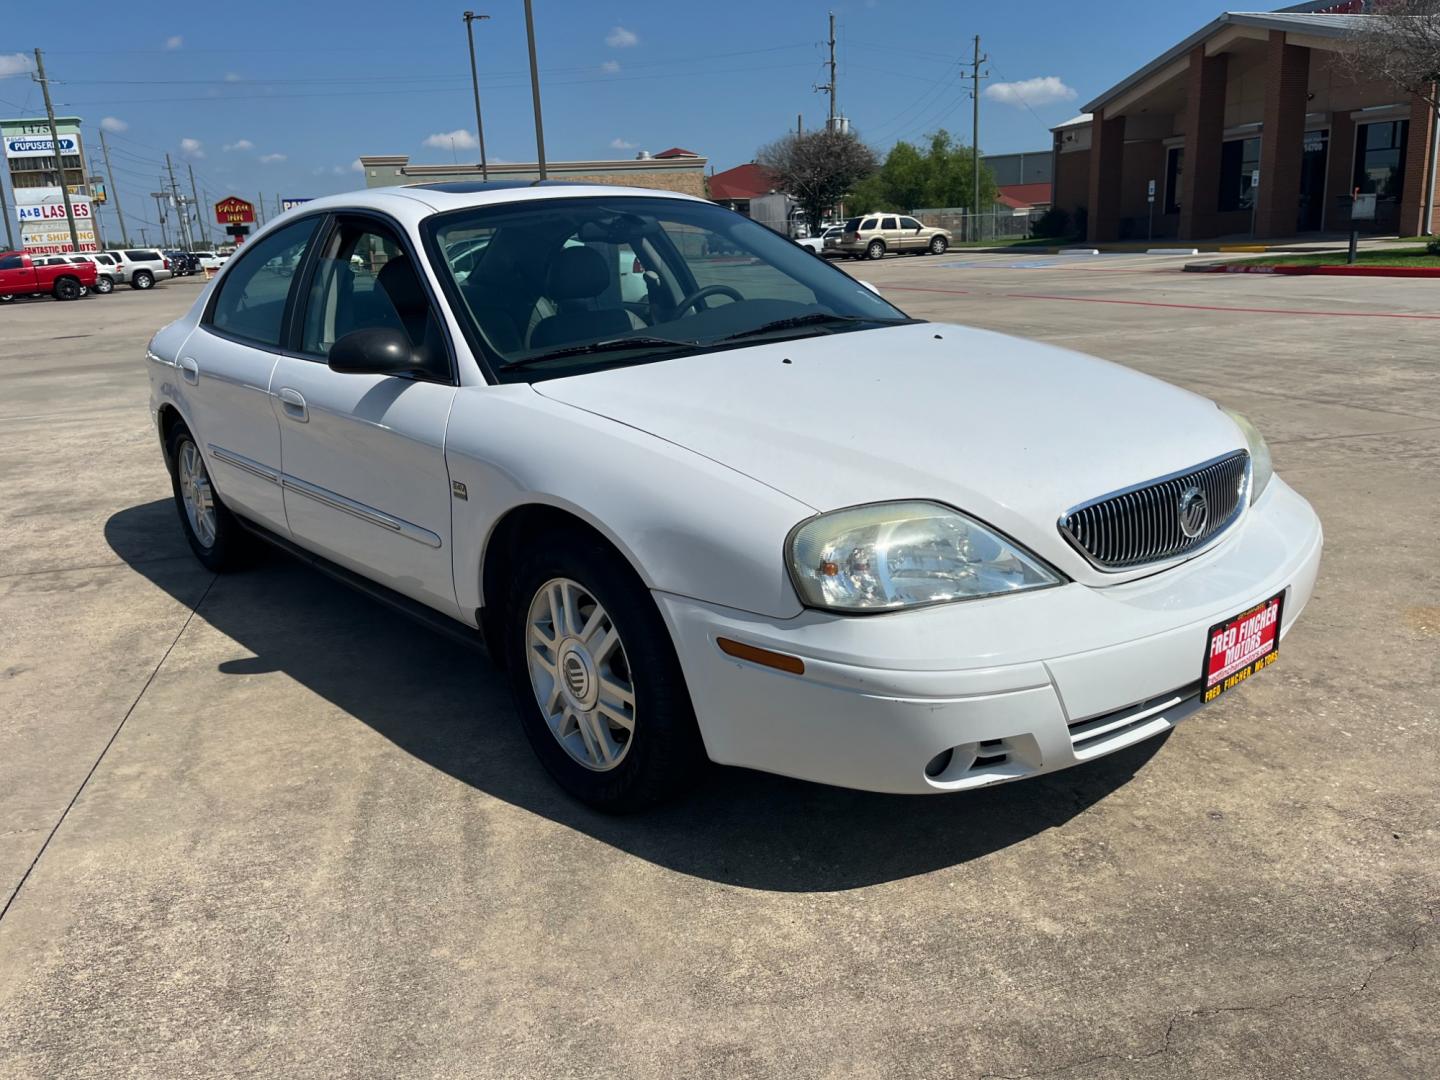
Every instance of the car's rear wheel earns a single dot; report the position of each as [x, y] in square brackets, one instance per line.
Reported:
[142, 279]
[104, 284]
[67, 288]
[595, 678]
[938, 245]
[216, 538]
[876, 250]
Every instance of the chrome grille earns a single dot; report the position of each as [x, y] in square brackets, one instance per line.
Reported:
[1143, 524]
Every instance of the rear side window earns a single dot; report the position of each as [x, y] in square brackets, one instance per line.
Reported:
[251, 301]
[143, 256]
[889, 223]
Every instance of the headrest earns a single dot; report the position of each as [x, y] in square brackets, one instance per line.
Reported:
[397, 278]
[577, 273]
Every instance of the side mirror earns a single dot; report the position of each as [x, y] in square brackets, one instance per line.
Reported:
[380, 350]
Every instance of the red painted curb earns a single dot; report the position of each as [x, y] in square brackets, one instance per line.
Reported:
[1295, 270]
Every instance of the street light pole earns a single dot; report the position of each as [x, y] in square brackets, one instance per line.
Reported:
[470, 18]
[535, 87]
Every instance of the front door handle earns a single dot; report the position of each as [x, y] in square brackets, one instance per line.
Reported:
[189, 369]
[293, 403]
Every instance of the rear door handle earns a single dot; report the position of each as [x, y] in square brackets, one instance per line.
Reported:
[189, 369]
[293, 402]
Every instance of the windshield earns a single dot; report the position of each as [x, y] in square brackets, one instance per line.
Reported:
[555, 287]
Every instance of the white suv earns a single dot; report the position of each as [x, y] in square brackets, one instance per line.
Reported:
[140, 268]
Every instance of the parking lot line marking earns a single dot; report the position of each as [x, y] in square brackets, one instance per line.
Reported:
[106, 749]
[1165, 304]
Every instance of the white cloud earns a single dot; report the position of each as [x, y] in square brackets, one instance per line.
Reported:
[230, 76]
[621, 144]
[174, 42]
[14, 64]
[114, 125]
[271, 159]
[355, 166]
[1042, 90]
[239, 144]
[610, 67]
[459, 139]
[620, 38]
[346, 170]
[192, 148]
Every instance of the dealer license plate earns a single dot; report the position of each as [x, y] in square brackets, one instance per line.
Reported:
[1241, 646]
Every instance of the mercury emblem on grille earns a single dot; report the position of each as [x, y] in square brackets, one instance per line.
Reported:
[1193, 511]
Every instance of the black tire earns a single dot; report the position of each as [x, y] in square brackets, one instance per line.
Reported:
[7, 298]
[938, 244]
[665, 753]
[67, 288]
[104, 285]
[875, 249]
[142, 279]
[232, 544]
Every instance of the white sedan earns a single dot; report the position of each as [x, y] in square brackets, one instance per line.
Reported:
[752, 514]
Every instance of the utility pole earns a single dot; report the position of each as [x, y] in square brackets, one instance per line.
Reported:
[199, 207]
[975, 78]
[535, 86]
[469, 18]
[829, 87]
[159, 197]
[260, 209]
[799, 125]
[95, 216]
[55, 145]
[114, 191]
[178, 202]
[5, 211]
[144, 240]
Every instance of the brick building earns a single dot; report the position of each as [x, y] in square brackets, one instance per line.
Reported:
[1252, 94]
[671, 170]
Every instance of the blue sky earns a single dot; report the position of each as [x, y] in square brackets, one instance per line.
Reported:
[284, 102]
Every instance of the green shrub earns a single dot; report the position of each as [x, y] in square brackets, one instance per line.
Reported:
[1432, 245]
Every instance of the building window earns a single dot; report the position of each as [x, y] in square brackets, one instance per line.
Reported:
[1380, 158]
[1239, 158]
[1174, 172]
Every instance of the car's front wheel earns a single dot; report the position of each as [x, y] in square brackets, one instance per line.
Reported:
[142, 279]
[938, 245]
[104, 284]
[595, 678]
[216, 538]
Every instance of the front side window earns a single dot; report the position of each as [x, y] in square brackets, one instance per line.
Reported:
[566, 285]
[909, 223]
[13, 262]
[251, 300]
[1239, 158]
[365, 280]
[1380, 158]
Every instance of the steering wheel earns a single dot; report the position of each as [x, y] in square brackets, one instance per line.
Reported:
[709, 290]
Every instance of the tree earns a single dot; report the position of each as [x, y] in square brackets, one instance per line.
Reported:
[1400, 43]
[817, 168]
[941, 176]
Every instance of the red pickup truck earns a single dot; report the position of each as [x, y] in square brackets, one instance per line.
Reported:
[19, 276]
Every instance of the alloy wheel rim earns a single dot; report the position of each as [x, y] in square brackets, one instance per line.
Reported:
[196, 494]
[580, 674]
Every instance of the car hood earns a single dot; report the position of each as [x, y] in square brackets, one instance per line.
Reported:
[1013, 432]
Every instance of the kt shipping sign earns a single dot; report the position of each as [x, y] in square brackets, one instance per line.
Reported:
[43, 228]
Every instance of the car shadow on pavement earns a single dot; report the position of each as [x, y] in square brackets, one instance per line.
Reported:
[443, 703]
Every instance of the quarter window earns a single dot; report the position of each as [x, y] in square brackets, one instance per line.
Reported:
[888, 223]
[251, 301]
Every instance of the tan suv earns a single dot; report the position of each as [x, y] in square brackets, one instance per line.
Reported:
[872, 235]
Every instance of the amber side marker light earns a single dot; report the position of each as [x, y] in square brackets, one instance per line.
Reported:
[793, 664]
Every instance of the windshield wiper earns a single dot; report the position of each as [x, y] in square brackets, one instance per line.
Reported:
[814, 318]
[610, 345]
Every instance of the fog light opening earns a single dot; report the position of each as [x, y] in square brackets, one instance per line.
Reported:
[939, 763]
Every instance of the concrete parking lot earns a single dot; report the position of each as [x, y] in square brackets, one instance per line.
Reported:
[258, 825]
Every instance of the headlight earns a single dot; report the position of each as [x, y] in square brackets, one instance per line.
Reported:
[1260, 468]
[905, 554]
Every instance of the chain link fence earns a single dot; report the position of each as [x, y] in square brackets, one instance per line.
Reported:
[967, 228]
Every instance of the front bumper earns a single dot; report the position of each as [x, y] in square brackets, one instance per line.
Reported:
[1013, 686]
